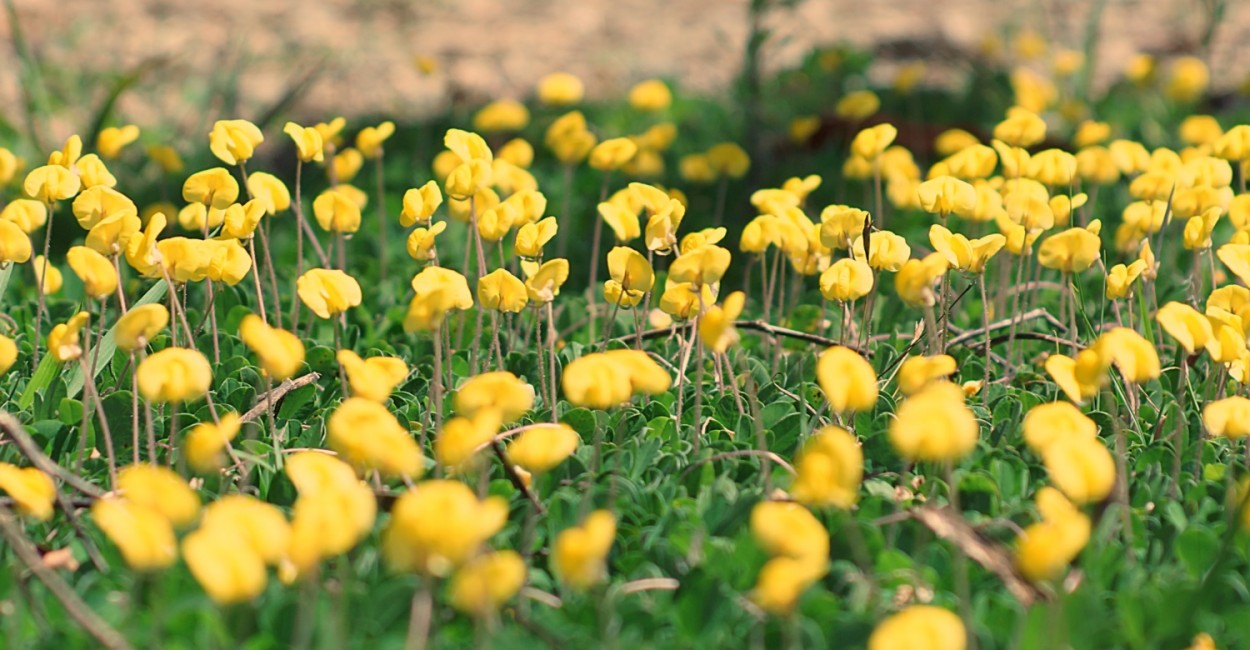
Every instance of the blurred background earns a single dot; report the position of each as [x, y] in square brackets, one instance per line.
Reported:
[179, 60]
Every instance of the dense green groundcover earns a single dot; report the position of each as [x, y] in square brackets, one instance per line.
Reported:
[682, 509]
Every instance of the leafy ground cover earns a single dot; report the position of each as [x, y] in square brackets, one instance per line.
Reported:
[922, 368]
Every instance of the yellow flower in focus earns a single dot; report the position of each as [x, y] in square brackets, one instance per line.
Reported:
[543, 285]
[946, 195]
[28, 215]
[420, 204]
[51, 183]
[234, 141]
[438, 526]
[542, 447]
[580, 553]
[112, 140]
[917, 277]
[845, 280]
[1081, 467]
[1071, 251]
[174, 375]
[1198, 229]
[962, 253]
[374, 378]
[161, 490]
[144, 537]
[240, 221]
[829, 470]
[230, 573]
[336, 212]
[206, 443]
[31, 490]
[64, 343]
[422, 241]
[483, 585]
[309, 146]
[215, 188]
[560, 89]
[14, 244]
[920, 626]
[369, 438]
[136, 329]
[857, 106]
[501, 291]
[531, 238]
[847, 380]
[328, 292]
[934, 425]
[94, 173]
[917, 372]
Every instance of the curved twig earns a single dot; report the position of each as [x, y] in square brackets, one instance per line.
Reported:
[278, 392]
[15, 431]
[740, 452]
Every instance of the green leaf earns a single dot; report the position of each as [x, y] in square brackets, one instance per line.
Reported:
[71, 412]
[47, 371]
[1197, 548]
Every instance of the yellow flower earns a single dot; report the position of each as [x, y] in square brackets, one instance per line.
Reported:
[308, 143]
[333, 512]
[946, 195]
[8, 353]
[206, 443]
[1081, 467]
[540, 448]
[845, 280]
[917, 277]
[847, 380]
[716, 326]
[650, 96]
[1046, 424]
[501, 291]
[420, 204]
[872, 141]
[160, 490]
[174, 375]
[28, 215]
[94, 173]
[917, 372]
[369, 438]
[1021, 128]
[370, 139]
[1202, 641]
[374, 378]
[64, 343]
[1188, 79]
[51, 183]
[829, 470]
[112, 140]
[336, 212]
[606, 379]
[1071, 251]
[728, 160]
[166, 157]
[109, 235]
[1044, 549]
[581, 552]
[422, 241]
[612, 154]
[962, 253]
[1189, 327]
[1080, 378]
[1120, 279]
[919, 626]
[630, 270]
[433, 278]
[260, 526]
[281, 353]
[269, 192]
[145, 538]
[345, 165]
[328, 292]
[495, 391]
[461, 438]
[14, 244]
[1197, 235]
[781, 581]
[31, 490]
[803, 127]
[532, 237]
[543, 284]
[886, 251]
[1134, 355]
[560, 89]
[705, 265]
[97, 204]
[228, 261]
[857, 106]
[790, 530]
[501, 115]
[136, 329]
[934, 425]
[483, 585]
[240, 221]
[229, 572]
[234, 141]
[215, 188]
[438, 526]
[1053, 167]
[976, 161]
[52, 282]
[1229, 417]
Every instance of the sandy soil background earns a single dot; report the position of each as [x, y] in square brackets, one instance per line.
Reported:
[365, 49]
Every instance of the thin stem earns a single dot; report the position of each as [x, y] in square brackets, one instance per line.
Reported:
[260, 295]
[551, 346]
[985, 325]
[299, 241]
[420, 616]
[381, 216]
[41, 308]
